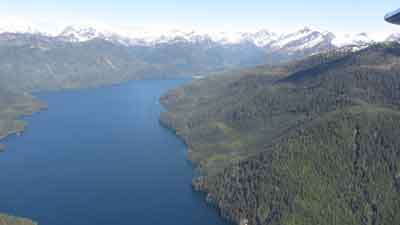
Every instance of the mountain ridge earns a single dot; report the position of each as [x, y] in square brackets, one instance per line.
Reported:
[308, 38]
[263, 38]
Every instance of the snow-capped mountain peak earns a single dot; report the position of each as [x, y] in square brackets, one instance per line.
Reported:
[80, 34]
[307, 39]
[342, 40]
[130, 35]
[261, 38]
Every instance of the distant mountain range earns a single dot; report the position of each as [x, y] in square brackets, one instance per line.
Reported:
[87, 56]
[271, 46]
[295, 41]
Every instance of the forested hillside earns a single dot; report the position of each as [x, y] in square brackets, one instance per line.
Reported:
[310, 142]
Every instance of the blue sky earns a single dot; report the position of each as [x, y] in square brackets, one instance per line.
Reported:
[241, 15]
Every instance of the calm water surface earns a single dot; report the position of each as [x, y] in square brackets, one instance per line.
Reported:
[100, 157]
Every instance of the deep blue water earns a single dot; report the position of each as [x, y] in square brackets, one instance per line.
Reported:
[100, 157]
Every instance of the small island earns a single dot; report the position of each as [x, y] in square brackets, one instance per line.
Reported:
[11, 220]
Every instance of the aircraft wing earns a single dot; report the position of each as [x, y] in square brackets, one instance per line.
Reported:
[393, 17]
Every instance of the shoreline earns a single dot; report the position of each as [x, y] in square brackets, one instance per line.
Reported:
[198, 183]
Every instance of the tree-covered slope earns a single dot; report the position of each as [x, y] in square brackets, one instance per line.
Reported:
[312, 142]
[342, 169]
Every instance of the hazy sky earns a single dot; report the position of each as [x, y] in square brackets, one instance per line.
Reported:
[213, 15]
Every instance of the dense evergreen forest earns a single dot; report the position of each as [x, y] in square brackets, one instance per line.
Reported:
[306, 143]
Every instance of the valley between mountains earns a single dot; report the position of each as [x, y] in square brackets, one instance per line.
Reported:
[80, 56]
[304, 133]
